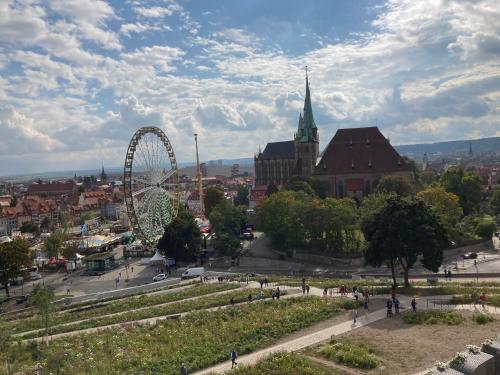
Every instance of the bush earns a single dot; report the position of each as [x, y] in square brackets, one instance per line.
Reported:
[482, 318]
[450, 318]
[352, 355]
[486, 227]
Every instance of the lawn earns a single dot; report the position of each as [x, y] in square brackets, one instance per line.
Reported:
[200, 339]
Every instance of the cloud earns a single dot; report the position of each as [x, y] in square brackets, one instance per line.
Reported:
[153, 12]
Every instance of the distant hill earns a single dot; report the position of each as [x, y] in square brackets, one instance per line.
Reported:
[479, 146]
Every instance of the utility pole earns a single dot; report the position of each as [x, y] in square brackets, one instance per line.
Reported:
[198, 175]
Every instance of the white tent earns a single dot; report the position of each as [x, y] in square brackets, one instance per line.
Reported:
[157, 259]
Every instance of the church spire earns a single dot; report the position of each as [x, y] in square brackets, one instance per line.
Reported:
[307, 126]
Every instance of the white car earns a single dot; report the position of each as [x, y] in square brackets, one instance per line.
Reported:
[160, 277]
[36, 276]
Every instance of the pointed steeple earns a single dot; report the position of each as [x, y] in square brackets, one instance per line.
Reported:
[306, 122]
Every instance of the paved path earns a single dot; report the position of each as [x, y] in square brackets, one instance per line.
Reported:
[303, 341]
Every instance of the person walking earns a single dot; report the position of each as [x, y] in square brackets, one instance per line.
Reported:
[184, 370]
[473, 297]
[354, 314]
[231, 301]
[303, 289]
[266, 282]
[396, 306]
[414, 305]
[307, 289]
[365, 307]
[325, 291]
[278, 293]
[482, 299]
[389, 307]
[261, 282]
[449, 275]
[250, 299]
[445, 274]
[233, 357]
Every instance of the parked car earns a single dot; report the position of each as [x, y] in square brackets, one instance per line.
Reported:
[160, 277]
[35, 276]
[470, 255]
[247, 236]
[193, 272]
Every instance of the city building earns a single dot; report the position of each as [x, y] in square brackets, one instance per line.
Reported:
[46, 189]
[352, 163]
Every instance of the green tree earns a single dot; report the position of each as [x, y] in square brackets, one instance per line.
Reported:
[486, 227]
[182, 238]
[227, 221]
[241, 198]
[41, 299]
[28, 227]
[445, 206]
[403, 232]
[428, 177]
[14, 258]
[320, 187]
[495, 201]
[465, 185]
[45, 224]
[394, 184]
[53, 244]
[69, 249]
[373, 204]
[297, 184]
[271, 189]
[213, 196]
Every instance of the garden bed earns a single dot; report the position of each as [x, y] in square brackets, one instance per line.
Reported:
[200, 339]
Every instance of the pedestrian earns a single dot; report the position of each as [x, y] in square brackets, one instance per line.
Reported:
[278, 293]
[473, 297]
[201, 278]
[365, 307]
[233, 357]
[120, 275]
[307, 289]
[356, 295]
[354, 314]
[67, 291]
[261, 282]
[303, 280]
[273, 294]
[414, 305]
[266, 282]
[445, 274]
[250, 298]
[396, 305]
[231, 301]
[184, 370]
[449, 275]
[303, 288]
[325, 291]
[389, 307]
[132, 268]
[260, 295]
[482, 299]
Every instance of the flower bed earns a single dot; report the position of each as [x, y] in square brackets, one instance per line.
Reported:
[118, 306]
[200, 339]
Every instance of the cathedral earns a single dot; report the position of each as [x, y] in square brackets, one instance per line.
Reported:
[352, 164]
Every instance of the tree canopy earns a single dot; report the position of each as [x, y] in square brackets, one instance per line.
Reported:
[213, 196]
[227, 221]
[28, 227]
[296, 184]
[53, 244]
[394, 184]
[403, 232]
[241, 198]
[14, 258]
[486, 227]
[465, 185]
[495, 201]
[181, 239]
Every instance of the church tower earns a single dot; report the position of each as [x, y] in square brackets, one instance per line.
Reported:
[306, 139]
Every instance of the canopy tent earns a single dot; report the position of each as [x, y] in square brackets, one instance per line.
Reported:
[157, 259]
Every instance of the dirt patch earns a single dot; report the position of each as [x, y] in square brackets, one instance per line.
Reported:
[406, 349]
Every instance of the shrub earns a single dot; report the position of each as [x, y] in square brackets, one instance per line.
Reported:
[358, 356]
[450, 318]
[482, 318]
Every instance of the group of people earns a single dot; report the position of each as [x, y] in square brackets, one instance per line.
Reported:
[482, 299]
[447, 274]
[264, 282]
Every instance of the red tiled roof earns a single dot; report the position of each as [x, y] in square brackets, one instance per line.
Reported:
[54, 187]
[360, 150]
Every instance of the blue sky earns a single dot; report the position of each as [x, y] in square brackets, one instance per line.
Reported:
[77, 78]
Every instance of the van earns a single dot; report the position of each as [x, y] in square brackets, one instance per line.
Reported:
[193, 272]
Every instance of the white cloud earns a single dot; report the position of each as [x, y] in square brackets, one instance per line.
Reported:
[90, 11]
[153, 12]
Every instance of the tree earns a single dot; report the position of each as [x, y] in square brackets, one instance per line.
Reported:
[445, 205]
[320, 187]
[486, 227]
[428, 177]
[241, 198]
[297, 184]
[182, 238]
[52, 244]
[45, 224]
[465, 185]
[41, 299]
[394, 184]
[403, 232]
[227, 221]
[271, 189]
[28, 227]
[69, 250]
[14, 258]
[495, 201]
[213, 196]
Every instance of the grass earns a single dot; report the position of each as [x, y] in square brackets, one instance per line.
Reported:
[122, 305]
[493, 300]
[171, 309]
[352, 355]
[482, 318]
[200, 339]
[283, 363]
[447, 317]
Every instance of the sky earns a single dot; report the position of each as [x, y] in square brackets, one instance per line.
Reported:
[78, 78]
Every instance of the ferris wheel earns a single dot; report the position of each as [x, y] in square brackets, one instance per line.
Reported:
[151, 183]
